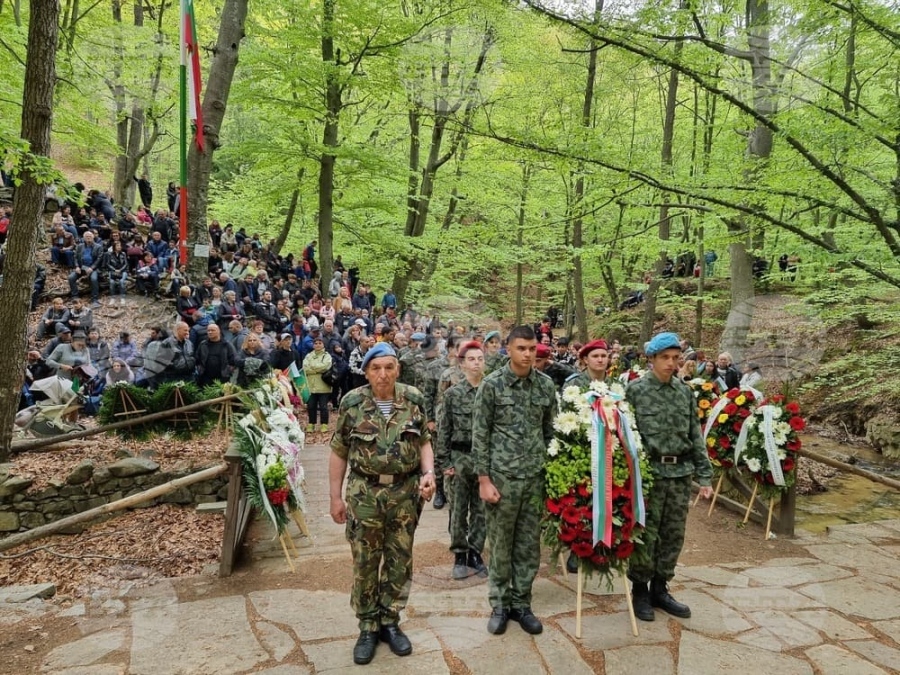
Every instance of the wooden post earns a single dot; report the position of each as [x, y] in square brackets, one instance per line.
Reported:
[232, 511]
[750, 503]
[769, 519]
[712, 502]
[787, 512]
[119, 505]
[579, 595]
[631, 616]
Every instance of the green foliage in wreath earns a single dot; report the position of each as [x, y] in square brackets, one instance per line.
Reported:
[164, 398]
[112, 408]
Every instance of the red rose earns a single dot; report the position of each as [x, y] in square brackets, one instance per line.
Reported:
[787, 465]
[568, 535]
[624, 550]
[584, 534]
[749, 396]
[732, 393]
[582, 549]
[793, 445]
[724, 442]
[582, 491]
[626, 530]
[567, 500]
[713, 454]
[793, 408]
[621, 491]
[737, 426]
[598, 559]
[730, 409]
[554, 507]
[744, 413]
[571, 515]
[777, 398]
[797, 423]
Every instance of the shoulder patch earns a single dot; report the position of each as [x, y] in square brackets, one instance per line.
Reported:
[352, 398]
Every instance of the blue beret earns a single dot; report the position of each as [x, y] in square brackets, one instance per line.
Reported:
[661, 342]
[491, 335]
[380, 349]
[418, 337]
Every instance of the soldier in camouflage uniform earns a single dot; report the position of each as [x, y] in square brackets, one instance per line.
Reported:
[595, 358]
[667, 420]
[557, 372]
[381, 434]
[493, 358]
[454, 457]
[409, 360]
[511, 429]
[428, 373]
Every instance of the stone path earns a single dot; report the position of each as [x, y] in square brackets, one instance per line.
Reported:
[836, 612]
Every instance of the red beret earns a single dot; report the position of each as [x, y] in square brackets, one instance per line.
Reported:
[543, 351]
[466, 346]
[591, 346]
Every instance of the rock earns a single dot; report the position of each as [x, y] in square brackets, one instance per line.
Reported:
[73, 491]
[9, 522]
[884, 435]
[5, 470]
[132, 466]
[101, 475]
[211, 507]
[15, 485]
[31, 520]
[81, 473]
[122, 453]
[17, 594]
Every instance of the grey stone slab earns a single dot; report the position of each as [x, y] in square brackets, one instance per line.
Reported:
[832, 660]
[867, 530]
[889, 524]
[639, 661]
[549, 598]
[834, 626]
[700, 655]
[790, 631]
[787, 562]
[17, 594]
[796, 576]
[84, 652]
[761, 599]
[611, 631]
[715, 576]
[709, 616]
[876, 653]
[337, 656]
[889, 628]
[78, 609]
[858, 596]
[311, 615]
[427, 599]
[96, 669]
[861, 556]
[285, 669]
[560, 654]
[205, 636]
[761, 638]
[278, 643]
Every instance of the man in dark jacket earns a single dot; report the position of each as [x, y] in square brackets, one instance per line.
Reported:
[215, 358]
[145, 190]
[88, 258]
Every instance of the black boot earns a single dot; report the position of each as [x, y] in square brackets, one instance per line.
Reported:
[477, 563]
[640, 600]
[660, 597]
[527, 620]
[497, 622]
[364, 650]
[440, 499]
[572, 564]
[460, 567]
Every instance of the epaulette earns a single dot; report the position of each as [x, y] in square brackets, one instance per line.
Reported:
[413, 394]
[352, 398]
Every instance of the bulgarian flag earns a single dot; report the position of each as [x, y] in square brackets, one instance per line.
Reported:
[190, 69]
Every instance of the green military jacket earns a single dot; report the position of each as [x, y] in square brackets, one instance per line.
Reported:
[513, 423]
[454, 424]
[666, 416]
[430, 373]
[408, 366]
[494, 362]
[373, 445]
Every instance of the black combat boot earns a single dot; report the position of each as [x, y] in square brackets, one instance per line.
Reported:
[527, 620]
[396, 639]
[477, 563]
[660, 597]
[497, 622]
[364, 650]
[460, 566]
[640, 600]
[440, 499]
[572, 564]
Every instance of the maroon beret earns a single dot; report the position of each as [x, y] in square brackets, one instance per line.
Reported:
[466, 346]
[591, 346]
[543, 351]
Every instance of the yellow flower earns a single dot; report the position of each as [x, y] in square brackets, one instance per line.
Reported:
[707, 386]
[704, 404]
[741, 400]
[710, 442]
[723, 418]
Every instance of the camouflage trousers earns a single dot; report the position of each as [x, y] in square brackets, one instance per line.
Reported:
[514, 533]
[381, 525]
[466, 508]
[667, 511]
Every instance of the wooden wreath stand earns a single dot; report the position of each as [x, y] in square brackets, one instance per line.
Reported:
[579, 597]
[745, 490]
[288, 543]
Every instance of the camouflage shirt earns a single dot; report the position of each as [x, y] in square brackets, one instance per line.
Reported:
[666, 417]
[454, 424]
[513, 423]
[374, 445]
[408, 366]
[431, 370]
[494, 362]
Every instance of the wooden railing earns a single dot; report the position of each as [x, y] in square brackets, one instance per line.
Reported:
[237, 513]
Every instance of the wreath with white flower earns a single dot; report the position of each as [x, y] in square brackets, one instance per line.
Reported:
[600, 526]
[770, 453]
[271, 441]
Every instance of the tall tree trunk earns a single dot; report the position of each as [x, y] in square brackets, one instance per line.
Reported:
[520, 254]
[289, 217]
[334, 103]
[25, 230]
[215, 101]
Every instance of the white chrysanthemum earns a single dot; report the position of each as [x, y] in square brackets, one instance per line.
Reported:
[247, 421]
[566, 423]
[780, 439]
[571, 394]
[585, 417]
[600, 387]
[776, 412]
[782, 428]
[617, 388]
[553, 448]
[750, 422]
[754, 465]
[697, 381]
[780, 454]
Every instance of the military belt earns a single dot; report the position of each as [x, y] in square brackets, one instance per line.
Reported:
[383, 479]
[670, 459]
[461, 447]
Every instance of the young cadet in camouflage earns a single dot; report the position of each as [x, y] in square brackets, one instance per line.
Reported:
[493, 358]
[667, 420]
[454, 457]
[511, 429]
[381, 434]
[428, 373]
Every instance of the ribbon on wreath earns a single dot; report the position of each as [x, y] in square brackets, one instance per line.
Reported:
[607, 424]
[771, 447]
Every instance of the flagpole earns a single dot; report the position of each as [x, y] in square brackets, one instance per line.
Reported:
[183, 143]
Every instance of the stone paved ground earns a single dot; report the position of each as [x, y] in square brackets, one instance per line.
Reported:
[833, 609]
